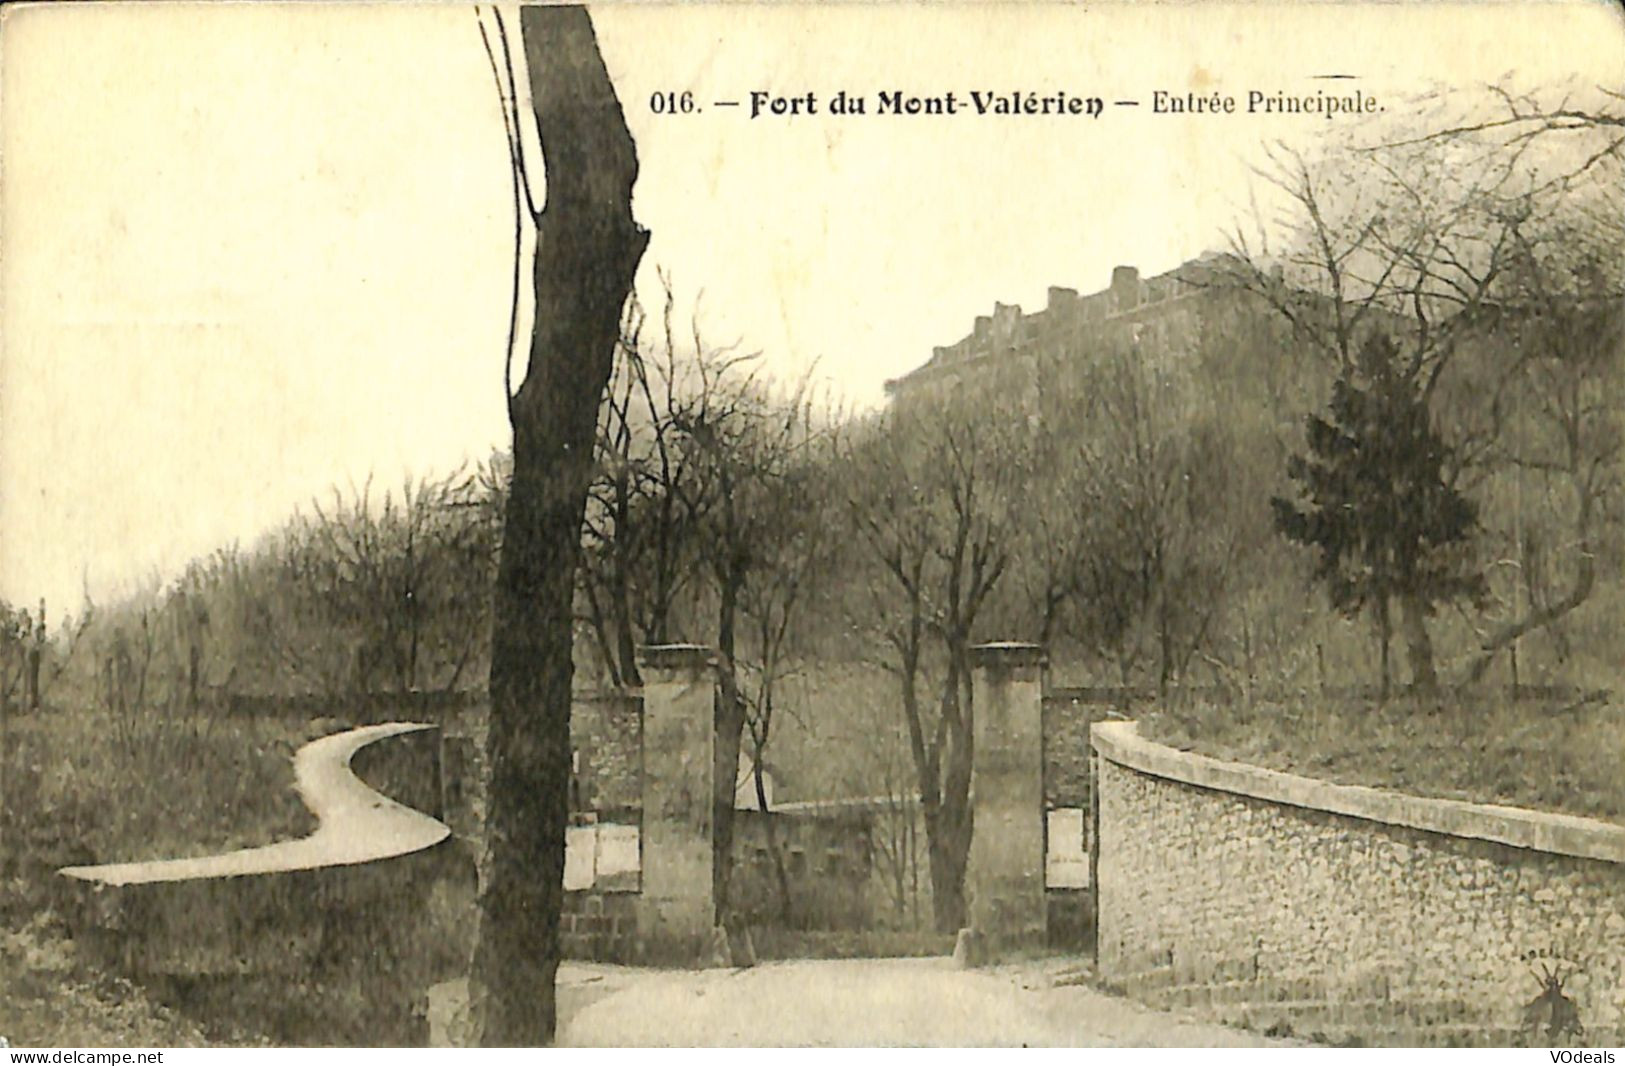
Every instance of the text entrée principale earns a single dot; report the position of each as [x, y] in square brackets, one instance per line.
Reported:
[1023, 103]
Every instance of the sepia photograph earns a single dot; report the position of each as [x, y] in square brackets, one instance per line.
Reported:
[773, 525]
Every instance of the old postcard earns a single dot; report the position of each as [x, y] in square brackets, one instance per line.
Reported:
[774, 525]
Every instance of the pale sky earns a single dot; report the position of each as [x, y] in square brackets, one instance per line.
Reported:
[252, 251]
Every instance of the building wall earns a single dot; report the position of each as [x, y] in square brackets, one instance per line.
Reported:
[1012, 353]
[1270, 900]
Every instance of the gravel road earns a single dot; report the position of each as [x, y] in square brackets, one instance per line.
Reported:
[864, 1002]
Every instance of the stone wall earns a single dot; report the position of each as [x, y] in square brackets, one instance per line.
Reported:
[406, 768]
[1066, 750]
[1348, 914]
[606, 735]
[827, 863]
[330, 939]
[1069, 902]
[601, 926]
[664, 911]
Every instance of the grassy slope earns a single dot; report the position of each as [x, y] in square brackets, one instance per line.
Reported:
[76, 791]
[1546, 756]
[1563, 758]
[47, 999]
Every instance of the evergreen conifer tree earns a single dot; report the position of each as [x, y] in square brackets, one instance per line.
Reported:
[1376, 504]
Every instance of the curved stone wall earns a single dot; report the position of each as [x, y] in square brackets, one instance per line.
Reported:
[355, 824]
[1352, 914]
[330, 939]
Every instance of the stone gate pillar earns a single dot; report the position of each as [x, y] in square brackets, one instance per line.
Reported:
[675, 908]
[1004, 879]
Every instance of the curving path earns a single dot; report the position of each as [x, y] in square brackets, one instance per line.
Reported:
[356, 824]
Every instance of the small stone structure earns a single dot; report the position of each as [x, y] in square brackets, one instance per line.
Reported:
[603, 853]
[1348, 913]
[827, 861]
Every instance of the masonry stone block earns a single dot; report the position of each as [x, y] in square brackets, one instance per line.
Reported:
[676, 906]
[1005, 873]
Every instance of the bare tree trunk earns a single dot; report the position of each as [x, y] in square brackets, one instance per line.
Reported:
[627, 645]
[948, 852]
[729, 723]
[780, 875]
[912, 836]
[588, 248]
[1539, 618]
[1165, 641]
[600, 632]
[1418, 645]
[1384, 638]
[32, 686]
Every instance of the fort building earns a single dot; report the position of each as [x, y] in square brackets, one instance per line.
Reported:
[1163, 317]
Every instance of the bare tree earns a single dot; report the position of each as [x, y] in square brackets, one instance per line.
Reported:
[587, 251]
[930, 498]
[1427, 238]
[747, 441]
[789, 488]
[1587, 123]
[1126, 537]
[646, 504]
[1557, 435]
[1550, 429]
[881, 770]
[1051, 553]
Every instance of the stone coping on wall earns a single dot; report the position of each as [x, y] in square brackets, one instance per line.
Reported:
[356, 824]
[1559, 834]
[1008, 655]
[676, 657]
